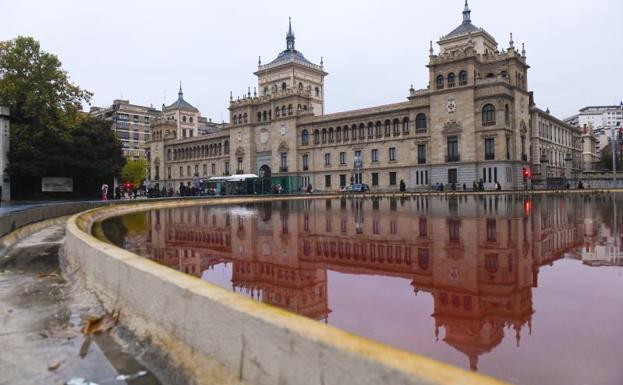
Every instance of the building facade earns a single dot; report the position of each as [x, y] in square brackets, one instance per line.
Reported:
[474, 121]
[130, 122]
[604, 120]
[5, 192]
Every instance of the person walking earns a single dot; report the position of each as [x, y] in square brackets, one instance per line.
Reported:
[104, 192]
[403, 186]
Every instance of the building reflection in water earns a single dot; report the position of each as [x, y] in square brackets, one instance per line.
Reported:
[478, 257]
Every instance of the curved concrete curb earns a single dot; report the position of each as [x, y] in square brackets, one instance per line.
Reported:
[220, 337]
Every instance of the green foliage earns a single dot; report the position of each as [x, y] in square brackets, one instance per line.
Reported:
[50, 135]
[134, 171]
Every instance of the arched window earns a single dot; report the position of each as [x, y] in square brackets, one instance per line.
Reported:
[277, 112]
[220, 147]
[245, 116]
[324, 135]
[300, 86]
[264, 116]
[226, 147]
[284, 86]
[283, 110]
[420, 122]
[405, 125]
[345, 133]
[330, 134]
[259, 116]
[488, 115]
[370, 130]
[396, 127]
[353, 132]
[235, 119]
[388, 129]
[316, 136]
[184, 119]
[240, 118]
[191, 119]
[440, 82]
[451, 80]
[270, 114]
[169, 154]
[289, 109]
[463, 78]
[317, 91]
[265, 91]
[362, 131]
[305, 138]
[507, 114]
[338, 134]
[377, 130]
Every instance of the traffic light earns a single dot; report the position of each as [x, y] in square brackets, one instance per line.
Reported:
[527, 174]
[128, 185]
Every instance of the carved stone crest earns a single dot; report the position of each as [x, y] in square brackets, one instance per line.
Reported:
[264, 136]
[452, 126]
[451, 106]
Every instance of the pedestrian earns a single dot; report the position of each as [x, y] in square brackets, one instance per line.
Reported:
[498, 186]
[403, 186]
[104, 191]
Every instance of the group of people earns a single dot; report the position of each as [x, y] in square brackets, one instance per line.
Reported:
[476, 186]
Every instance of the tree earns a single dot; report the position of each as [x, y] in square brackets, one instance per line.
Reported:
[134, 171]
[94, 155]
[50, 135]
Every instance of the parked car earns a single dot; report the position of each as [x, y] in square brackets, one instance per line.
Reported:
[359, 187]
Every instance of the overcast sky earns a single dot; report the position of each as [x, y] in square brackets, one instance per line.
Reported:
[373, 50]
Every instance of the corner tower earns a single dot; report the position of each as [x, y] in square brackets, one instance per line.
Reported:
[290, 72]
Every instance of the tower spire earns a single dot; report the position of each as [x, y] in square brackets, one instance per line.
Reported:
[180, 94]
[290, 36]
[466, 14]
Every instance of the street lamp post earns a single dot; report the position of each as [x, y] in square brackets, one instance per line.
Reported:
[614, 165]
[544, 161]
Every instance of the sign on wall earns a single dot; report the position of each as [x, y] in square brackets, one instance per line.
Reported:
[57, 184]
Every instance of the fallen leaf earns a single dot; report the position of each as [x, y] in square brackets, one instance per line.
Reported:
[100, 324]
[53, 366]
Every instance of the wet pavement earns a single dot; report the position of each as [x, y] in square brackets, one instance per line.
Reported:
[41, 318]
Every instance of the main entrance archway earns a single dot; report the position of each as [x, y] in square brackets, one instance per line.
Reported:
[264, 172]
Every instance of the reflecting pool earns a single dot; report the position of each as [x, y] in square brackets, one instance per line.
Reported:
[528, 290]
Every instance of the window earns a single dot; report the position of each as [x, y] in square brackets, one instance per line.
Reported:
[342, 158]
[489, 149]
[488, 115]
[396, 127]
[226, 168]
[284, 86]
[370, 130]
[331, 135]
[440, 82]
[421, 154]
[169, 172]
[463, 78]
[338, 134]
[387, 128]
[327, 180]
[184, 119]
[392, 178]
[300, 86]
[392, 153]
[188, 171]
[289, 109]
[508, 148]
[283, 165]
[375, 179]
[374, 155]
[453, 149]
[507, 114]
[405, 126]
[451, 80]
[181, 171]
[327, 159]
[454, 230]
[239, 166]
[316, 137]
[420, 122]
[491, 230]
[324, 135]
[213, 168]
[345, 133]
[305, 162]
[342, 179]
[205, 169]
[317, 91]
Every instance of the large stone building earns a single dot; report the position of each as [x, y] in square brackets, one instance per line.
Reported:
[474, 121]
[606, 122]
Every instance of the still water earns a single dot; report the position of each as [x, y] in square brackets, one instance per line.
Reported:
[528, 290]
